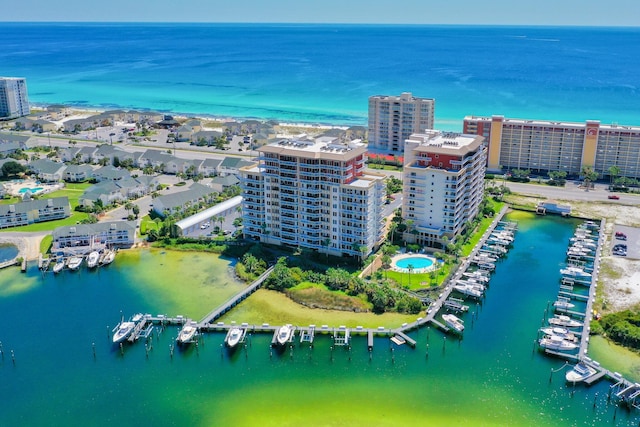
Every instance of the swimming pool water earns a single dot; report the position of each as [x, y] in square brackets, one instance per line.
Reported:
[31, 190]
[415, 262]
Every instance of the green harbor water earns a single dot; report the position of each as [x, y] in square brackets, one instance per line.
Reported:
[494, 376]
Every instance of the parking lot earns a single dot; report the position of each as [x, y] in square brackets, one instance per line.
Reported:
[625, 235]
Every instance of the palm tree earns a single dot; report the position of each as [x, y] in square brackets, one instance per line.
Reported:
[326, 242]
[410, 267]
[614, 171]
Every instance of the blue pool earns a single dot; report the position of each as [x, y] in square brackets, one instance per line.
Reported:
[31, 190]
[416, 262]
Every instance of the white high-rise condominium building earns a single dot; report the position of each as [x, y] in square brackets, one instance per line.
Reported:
[313, 194]
[14, 101]
[543, 146]
[392, 119]
[443, 185]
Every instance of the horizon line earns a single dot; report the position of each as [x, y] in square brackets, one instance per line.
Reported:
[388, 24]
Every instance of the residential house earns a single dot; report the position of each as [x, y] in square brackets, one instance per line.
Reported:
[10, 143]
[58, 111]
[183, 133]
[82, 238]
[77, 173]
[107, 192]
[82, 155]
[177, 165]
[35, 124]
[29, 212]
[106, 153]
[177, 202]
[48, 170]
[231, 165]
[206, 137]
[153, 158]
[209, 167]
[221, 183]
[110, 173]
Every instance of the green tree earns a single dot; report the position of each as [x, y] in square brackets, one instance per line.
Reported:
[12, 168]
[337, 279]
[614, 171]
[281, 277]
[136, 210]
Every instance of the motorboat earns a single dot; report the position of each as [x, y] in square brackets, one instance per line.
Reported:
[563, 304]
[108, 257]
[285, 333]
[560, 332]
[188, 331]
[554, 342]
[471, 282]
[453, 322]
[577, 272]
[565, 321]
[124, 329]
[74, 262]
[58, 266]
[579, 373]
[234, 336]
[487, 266]
[469, 290]
[476, 275]
[92, 259]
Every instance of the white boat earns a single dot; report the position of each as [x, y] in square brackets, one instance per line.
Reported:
[468, 290]
[74, 262]
[565, 321]
[553, 342]
[234, 336]
[58, 266]
[124, 329]
[579, 373]
[187, 332]
[453, 322]
[563, 304]
[476, 275]
[108, 258]
[560, 332]
[92, 259]
[572, 271]
[285, 334]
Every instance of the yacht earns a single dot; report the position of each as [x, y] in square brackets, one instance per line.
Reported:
[234, 336]
[74, 262]
[469, 290]
[92, 259]
[188, 331]
[58, 266]
[554, 342]
[124, 329]
[285, 333]
[563, 304]
[560, 332]
[580, 372]
[476, 275]
[565, 321]
[453, 322]
[577, 272]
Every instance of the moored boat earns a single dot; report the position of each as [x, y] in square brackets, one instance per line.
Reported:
[560, 332]
[554, 342]
[285, 333]
[468, 290]
[108, 257]
[579, 373]
[565, 321]
[573, 271]
[187, 332]
[563, 304]
[124, 329]
[234, 336]
[74, 262]
[453, 322]
[58, 266]
[92, 259]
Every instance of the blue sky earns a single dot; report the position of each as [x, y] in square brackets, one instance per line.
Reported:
[489, 12]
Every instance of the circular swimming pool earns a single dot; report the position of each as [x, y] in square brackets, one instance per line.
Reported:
[415, 263]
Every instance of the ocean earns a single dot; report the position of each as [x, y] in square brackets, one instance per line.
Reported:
[325, 73]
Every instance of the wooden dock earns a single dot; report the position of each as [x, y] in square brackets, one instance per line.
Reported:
[235, 300]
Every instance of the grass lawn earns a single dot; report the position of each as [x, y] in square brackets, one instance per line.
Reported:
[45, 244]
[482, 227]
[147, 224]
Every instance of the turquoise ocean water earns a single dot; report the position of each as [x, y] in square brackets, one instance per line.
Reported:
[493, 376]
[325, 73]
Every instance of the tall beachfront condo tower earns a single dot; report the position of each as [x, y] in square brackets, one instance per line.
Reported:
[313, 194]
[544, 146]
[443, 185]
[14, 101]
[392, 119]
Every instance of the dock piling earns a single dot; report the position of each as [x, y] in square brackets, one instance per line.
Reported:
[13, 358]
[93, 346]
